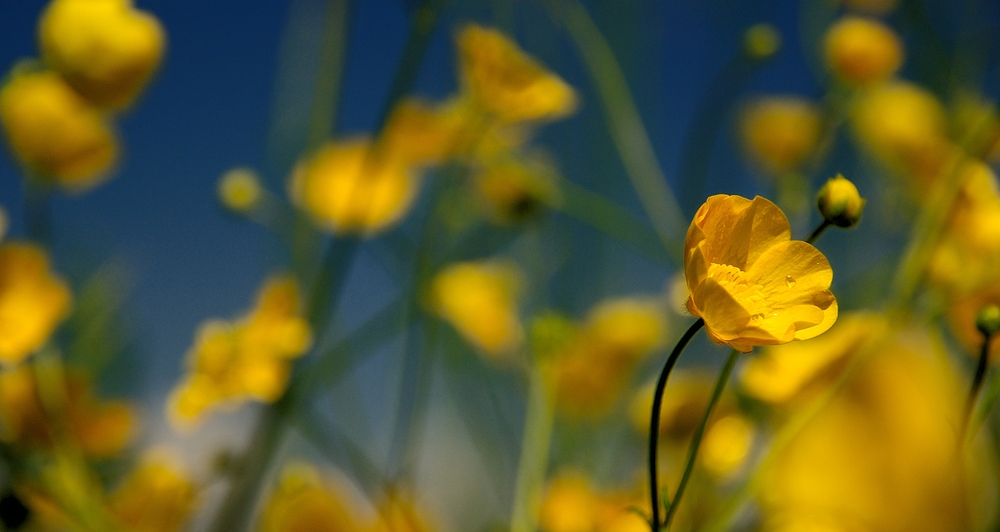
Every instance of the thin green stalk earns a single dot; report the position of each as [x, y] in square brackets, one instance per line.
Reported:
[654, 422]
[326, 93]
[823, 226]
[625, 124]
[534, 459]
[977, 384]
[720, 385]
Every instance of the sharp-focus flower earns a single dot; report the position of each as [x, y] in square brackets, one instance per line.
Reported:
[840, 203]
[106, 49]
[780, 132]
[480, 299]
[250, 359]
[155, 497]
[862, 51]
[749, 281]
[354, 187]
[515, 191]
[33, 301]
[55, 133]
[302, 502]
[504, 81]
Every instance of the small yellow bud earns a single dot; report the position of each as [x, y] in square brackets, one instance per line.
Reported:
[106, 49]
[862, 51]
[761, 41]
[988, 320]
[840, 203]
[240, 190]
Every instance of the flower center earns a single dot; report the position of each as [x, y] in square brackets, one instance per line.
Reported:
[734, 280]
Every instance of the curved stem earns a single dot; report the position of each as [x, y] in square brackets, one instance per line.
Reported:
[818, 231]
[977, 384]
[720, 385]
[535, 444]
[654, 422]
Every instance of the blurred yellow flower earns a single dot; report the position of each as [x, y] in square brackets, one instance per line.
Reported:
[106, 49]
[572, 504]
[425, 134]
[354, 187]
[780, 132]
[514, 190]
[480, 299]
[862, 51]
[33, 301]
[761, 41]
[155, 497]
[505, 82]
[240, 190]
[302, 502]
[750, 283]
[398, 512]
[727, 445]
[54, 133]
[249, 359]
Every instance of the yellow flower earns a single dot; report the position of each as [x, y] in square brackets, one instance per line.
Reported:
[32, 301]
[505, 82]
[569, 504]
[106, 49]
[727, 445]
[514, 190]
[54, 133]
[761, 41]
[780, 132]
[153, 498]
[398, 512]
[840, 203]
[354, 187]
[962, 313]
[480, 300]
[750, 283]
[424, 134]
[302, 502]
[240, 190]
[862, 51]
[249, 359]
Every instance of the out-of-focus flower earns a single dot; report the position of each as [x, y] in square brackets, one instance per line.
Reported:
[504, 81]
[100, 429]
[780, 132]
[975, 124]
[840, 203]
[515, 190]
[354, 187]
[727, 445]
[861, 51]
[106, 49]
[569, 504]
[33, 301]
[398, 512]
[155, 497]
[881, 455]
[904, 126]
[54, 132]
[962, 313]
[424, 134]
[302, 502]
[871, 7]
[480, 299]
[590, 371]
[988, 319]
[249, 359]
[240, 190]
[761, 41]
[750, 283]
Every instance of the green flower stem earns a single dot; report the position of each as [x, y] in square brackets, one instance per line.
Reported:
[720, 385]
[977, 384]
[654, 422]
[818, 231]
[38, 210]
[534, 459]
[331, 68]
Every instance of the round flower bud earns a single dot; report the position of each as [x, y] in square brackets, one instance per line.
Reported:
[761, 41]
[862, 51]
[239, 190]
[988, 320]
[840, 203]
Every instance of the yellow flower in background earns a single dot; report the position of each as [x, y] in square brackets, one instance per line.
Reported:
[480, 299]
[33, 301]
[502, 80]
[727, 446]
[54, 132]
[398, 512]
[749, 281]
[302, 502]
[862, 51]
[249, 359]
[975, 122]
[780, 132]
[240, 190]
[354, 187]
[425, 134]
[962, 312]
[569, 504]
[106, 49]
[155, 497]
[515, 190]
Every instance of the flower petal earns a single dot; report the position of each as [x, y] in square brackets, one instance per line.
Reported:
[724, 317]
[793, 273]
[829, 318]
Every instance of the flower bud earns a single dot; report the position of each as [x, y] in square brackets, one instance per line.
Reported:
[988, 320]
[239, 190]
[840, 203]
[761, 41]
[861, 51]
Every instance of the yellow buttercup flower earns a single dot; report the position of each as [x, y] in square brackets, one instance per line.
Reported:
[106, 49]
[749, 281]
[54, 132]
[727, 445]
[514, 190]
[569, 504]
[426, 134]
[240, 190]
[780, 132]
[302, 502]
[32, 301]
[249, 359]
[505, 82]
[398, 512]
[155, 497]
[840, 203]
[480, 300]
[862, 51]
[354, 187]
